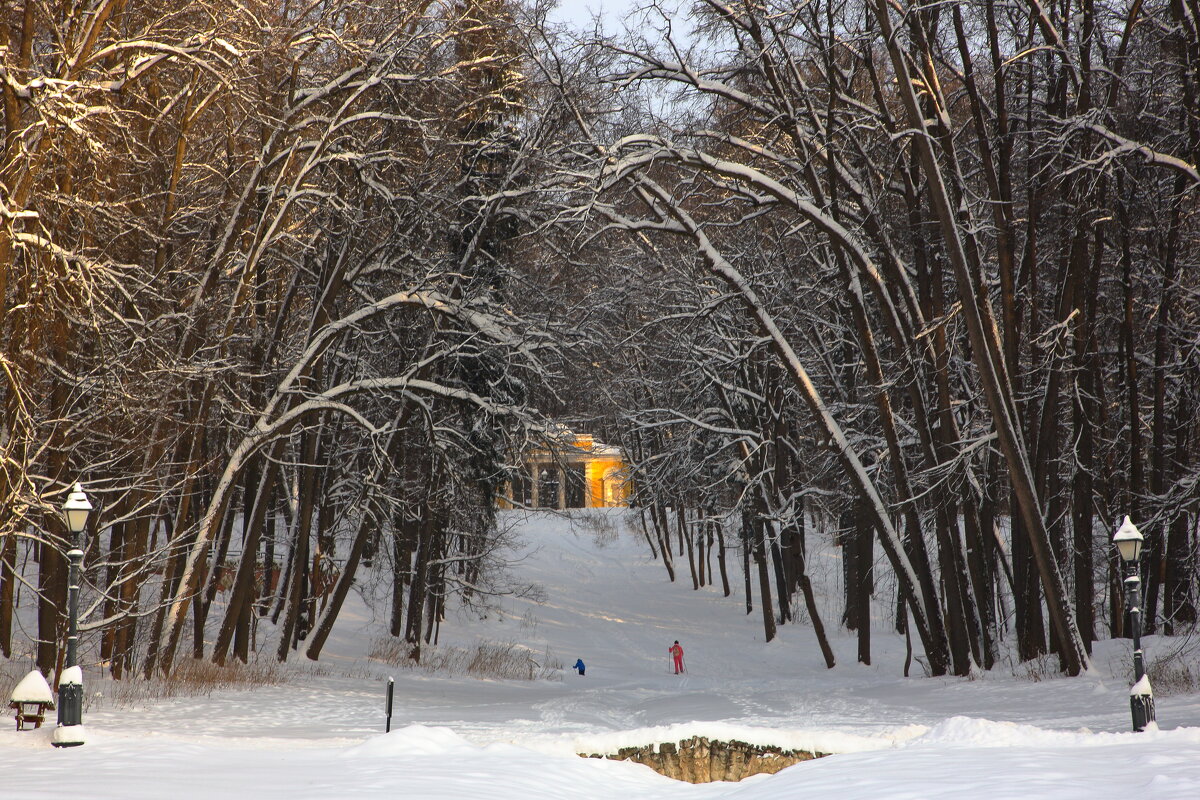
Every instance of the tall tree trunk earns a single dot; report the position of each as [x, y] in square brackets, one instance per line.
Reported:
[1179, 604]
[8, 581]
[1155, 547]
[258, 498]
[404, 540]
[116, 549]
[52, 581]
[864, 557]
[721, 564]
[764, 580]
[963, 624]
[418, 591]
[663, 531]
[781, 591]
[684, 534]
[250, 552]
[746, 535]
[982, 331]
[980, 567]
[130, 592]
[215, 576]
[294, 626]
[1086, 412]
[646, 532]
[295, 592]
[814, 614]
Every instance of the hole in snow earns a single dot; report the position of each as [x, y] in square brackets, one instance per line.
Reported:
[701, 760]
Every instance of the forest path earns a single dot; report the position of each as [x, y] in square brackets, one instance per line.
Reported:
[605, 600]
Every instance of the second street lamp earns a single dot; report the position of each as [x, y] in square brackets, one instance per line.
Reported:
[69, 732]
[1128, 540]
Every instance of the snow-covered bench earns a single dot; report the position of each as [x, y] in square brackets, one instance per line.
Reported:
[30, 699]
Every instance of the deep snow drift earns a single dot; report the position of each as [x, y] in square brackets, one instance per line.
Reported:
[605, 601]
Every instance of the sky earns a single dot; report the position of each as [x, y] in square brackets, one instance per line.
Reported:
[614, 14]
[1017, 732]
[580, 12]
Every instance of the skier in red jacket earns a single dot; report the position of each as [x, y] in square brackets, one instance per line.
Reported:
[677, 652]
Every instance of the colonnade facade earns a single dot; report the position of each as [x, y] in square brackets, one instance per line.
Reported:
[583, 473]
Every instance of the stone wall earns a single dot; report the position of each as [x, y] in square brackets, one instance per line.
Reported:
[699, 760]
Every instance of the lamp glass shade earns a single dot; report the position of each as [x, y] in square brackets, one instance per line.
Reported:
[1128, 540]
[76, 508]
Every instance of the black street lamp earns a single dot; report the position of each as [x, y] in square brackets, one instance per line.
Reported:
[69, 732]
[1128, 540]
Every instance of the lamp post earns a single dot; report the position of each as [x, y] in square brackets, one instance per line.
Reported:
[1128, 540]
[69, 732]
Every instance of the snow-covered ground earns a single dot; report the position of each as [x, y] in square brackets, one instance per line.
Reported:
[605, 601]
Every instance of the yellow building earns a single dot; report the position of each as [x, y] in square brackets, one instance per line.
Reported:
[580, 473]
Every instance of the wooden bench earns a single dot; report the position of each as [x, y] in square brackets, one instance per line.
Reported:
[30, 713]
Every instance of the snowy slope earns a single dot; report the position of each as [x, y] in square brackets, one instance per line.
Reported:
[607, 602]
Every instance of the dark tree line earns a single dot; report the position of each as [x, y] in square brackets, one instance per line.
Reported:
[290, 287]
[927, 271]
[255, 264]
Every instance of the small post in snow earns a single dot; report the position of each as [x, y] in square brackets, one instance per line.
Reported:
[391, 693]
[1128, 540]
